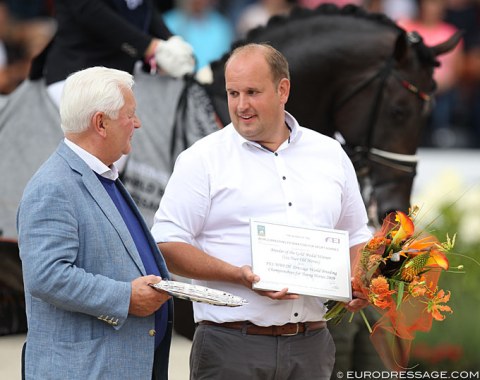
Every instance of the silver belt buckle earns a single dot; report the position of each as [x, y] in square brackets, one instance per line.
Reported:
[295, 333]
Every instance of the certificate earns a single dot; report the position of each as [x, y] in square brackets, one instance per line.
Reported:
[308, 261]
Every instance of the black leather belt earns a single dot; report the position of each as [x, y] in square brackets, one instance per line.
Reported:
[289, 329]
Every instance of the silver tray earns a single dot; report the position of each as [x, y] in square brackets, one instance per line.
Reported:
[199, 293]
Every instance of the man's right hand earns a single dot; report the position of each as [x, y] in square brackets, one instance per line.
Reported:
[249, 278]
[145, 300]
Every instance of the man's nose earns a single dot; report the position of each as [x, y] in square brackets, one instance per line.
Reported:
[136, 122]
[242, 102]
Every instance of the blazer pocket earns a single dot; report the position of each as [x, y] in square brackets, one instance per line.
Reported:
[87, 359]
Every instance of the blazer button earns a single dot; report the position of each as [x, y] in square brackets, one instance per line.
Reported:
[152, 332]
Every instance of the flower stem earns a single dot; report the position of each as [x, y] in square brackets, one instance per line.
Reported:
[351, 317]
[366, 321]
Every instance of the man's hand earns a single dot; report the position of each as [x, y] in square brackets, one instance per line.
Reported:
[358, 302]
[249, 278]
[145, 300]
[281, 295]
[175, 57]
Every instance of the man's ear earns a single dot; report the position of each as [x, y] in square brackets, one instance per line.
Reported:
[284, 89]
[98, 120]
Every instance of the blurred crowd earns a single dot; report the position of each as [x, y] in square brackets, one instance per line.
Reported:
[210, 26]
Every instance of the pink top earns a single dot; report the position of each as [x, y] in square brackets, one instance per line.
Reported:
[432, 35]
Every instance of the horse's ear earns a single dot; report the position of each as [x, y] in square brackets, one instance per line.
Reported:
[401, 47]
[447, 45]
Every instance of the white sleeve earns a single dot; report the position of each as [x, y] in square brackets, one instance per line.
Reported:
[185, 203]
[353, 218]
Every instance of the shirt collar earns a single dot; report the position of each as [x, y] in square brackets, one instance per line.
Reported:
[295, 131]
[292, 125]
[93, 162]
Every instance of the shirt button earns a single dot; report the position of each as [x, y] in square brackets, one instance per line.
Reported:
[284, 178]
[151, 332]
[289, 203]
[276, 154]
[296, 314]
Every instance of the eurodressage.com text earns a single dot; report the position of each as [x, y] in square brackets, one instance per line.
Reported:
[409, 375]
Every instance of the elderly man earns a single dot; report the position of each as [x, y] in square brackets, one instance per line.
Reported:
[87, 255]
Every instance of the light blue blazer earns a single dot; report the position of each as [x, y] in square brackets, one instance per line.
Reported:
[78, 260]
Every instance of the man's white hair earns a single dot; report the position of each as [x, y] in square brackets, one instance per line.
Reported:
[96, 89]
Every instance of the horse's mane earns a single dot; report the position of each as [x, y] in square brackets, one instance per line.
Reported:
[299, 13]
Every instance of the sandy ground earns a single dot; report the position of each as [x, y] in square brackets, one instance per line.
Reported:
[11, 349]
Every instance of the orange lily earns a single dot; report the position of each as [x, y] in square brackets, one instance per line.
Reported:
[405, 230]
[417, 288]
[437, 258]
[435, 308]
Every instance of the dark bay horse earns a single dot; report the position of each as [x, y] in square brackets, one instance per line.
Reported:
[361, 78]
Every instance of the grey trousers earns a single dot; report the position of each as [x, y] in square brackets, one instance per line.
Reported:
[225, 354]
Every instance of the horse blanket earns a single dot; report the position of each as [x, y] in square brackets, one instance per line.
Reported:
[174, 114]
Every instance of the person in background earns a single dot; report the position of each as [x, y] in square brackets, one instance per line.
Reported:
[399, 9]
[431, 27]
[315, 3]
[25, 30]
[87, 255]
[259, 13]
[110, 33]
[208, 32]
[262, 165]
[465, 16]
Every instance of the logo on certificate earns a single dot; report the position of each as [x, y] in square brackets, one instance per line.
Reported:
[334, 240]
[260, 230]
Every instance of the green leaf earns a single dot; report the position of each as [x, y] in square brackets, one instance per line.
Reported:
[401, 288]
[372, 270]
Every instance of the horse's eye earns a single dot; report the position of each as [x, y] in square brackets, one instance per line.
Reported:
[399, 114]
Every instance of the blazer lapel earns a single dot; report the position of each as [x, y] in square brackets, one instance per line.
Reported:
[162, 266]
[101, 197]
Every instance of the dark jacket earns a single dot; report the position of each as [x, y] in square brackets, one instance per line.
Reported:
[100, 33]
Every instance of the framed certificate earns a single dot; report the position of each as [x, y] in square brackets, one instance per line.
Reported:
[308, 261]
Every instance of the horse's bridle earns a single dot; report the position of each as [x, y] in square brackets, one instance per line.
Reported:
[360, 154]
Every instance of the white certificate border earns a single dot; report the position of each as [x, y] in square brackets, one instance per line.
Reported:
[303, 289]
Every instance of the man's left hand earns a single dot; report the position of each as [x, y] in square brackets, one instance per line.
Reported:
[358, 302]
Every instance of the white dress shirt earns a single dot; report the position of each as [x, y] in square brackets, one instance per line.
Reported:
[93, 162]
[223, 180]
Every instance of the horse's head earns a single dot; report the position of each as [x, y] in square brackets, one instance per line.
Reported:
[361, 76]
[396, 99]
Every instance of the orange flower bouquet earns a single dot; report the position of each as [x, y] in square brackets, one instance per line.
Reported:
[398, 272]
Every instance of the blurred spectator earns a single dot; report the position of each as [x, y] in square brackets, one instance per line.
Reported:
[400, 9]
[30, 9]
[3, 33]
[233, 9]
[395, 9]
[260, 12]
[200, 24]
[22, 36]
[430, 25]
[111, 33]
[465, 15]
[315, 3]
